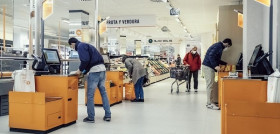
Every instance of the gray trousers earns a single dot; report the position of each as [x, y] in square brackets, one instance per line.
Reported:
[211, 85]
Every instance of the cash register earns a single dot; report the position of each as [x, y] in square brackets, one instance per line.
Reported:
[49, 63]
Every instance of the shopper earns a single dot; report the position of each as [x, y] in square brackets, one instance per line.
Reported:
[211, 64]
[178, 60]
[92, 62]
[192, 59]
[137, 72]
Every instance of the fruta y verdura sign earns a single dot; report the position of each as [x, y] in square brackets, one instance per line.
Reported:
[131, 21]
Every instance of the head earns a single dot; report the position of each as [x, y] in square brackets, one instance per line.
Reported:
[194, 50]
[227, 42]
[124, 57]
[178, 55]
[72, 42]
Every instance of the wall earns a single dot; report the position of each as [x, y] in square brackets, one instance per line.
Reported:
[255, 30]
[228, 28]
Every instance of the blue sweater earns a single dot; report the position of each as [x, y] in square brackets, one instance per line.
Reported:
[213, 55]
[89, 56]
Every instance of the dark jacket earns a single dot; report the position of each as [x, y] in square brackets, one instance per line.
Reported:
[213, 55]
[193, 60]
[89, 56]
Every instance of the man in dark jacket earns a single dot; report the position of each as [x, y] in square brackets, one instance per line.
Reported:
[211, 64]
[192, 59]
[92, 62]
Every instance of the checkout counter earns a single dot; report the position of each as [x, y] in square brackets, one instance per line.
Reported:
[52, 106]
[244, 107]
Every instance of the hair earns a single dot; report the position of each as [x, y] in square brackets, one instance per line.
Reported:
[124, 57]
[72, 40]
[227, 40]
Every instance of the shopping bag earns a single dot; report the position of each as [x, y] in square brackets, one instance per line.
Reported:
[24, 80]
[273, 87]
[129, 91]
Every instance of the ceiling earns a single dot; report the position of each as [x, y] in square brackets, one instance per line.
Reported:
[199, 16]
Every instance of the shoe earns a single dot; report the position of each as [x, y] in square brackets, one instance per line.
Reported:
[88, 120]
[106, 118]
[188, 90]
[135, 100]
[195, 90]
[141, 100]
[213, 107]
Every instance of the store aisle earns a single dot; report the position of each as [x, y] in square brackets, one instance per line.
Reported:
[161, 113]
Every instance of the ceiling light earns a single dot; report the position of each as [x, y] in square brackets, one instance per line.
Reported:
[177, 19]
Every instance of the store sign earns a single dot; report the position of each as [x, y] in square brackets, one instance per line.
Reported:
[132, 21]
[240, 20]
[47, 8]
[102, 27]
[75, 32]
[174, 11]
[265, 2]
[164, 41]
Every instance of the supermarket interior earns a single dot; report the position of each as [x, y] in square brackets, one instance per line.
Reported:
[140, 66]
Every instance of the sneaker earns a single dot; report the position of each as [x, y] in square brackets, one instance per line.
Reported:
[195, 90]
[188, 90]
[106, 118]
[88, 120]
[213, 107]
[135, 100]
[141, 100]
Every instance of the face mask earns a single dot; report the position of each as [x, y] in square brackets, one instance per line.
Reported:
[193, 52]
[226, 49]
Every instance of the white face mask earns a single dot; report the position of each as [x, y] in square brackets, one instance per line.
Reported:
[226, 49]
[193, 52]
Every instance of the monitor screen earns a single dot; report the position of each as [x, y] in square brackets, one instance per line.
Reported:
[106, 58]
[51, 56]
[257, 53]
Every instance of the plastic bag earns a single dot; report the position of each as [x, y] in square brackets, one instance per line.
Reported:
[273, 84]
[24, 80]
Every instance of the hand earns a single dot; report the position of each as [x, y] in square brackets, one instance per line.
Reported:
[187, 65]
[218, 68]
[78, 72]
[130, 76]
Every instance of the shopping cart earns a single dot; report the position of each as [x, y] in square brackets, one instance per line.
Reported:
[179, 73]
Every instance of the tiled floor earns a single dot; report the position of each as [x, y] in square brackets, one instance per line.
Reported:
[161, 113]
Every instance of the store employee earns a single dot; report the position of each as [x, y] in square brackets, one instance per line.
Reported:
[92, 62]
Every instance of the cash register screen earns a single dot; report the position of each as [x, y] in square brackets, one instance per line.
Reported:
[51, 56]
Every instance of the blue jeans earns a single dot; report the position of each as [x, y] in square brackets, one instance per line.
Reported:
[139, 92]
[97, 79]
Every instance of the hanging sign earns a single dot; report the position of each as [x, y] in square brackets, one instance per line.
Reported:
[240, 20]
[164, 41]
[132, 21]
[265, 2]
[47, 8]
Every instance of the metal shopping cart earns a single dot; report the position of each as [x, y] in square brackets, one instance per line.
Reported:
[179, 73]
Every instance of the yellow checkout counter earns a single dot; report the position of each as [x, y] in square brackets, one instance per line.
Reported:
[52, 106]
[244, 107]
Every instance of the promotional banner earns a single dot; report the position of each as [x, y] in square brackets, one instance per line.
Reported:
[131, 21]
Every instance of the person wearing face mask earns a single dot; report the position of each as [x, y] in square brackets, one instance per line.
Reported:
[192, 59]
[211, 64]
